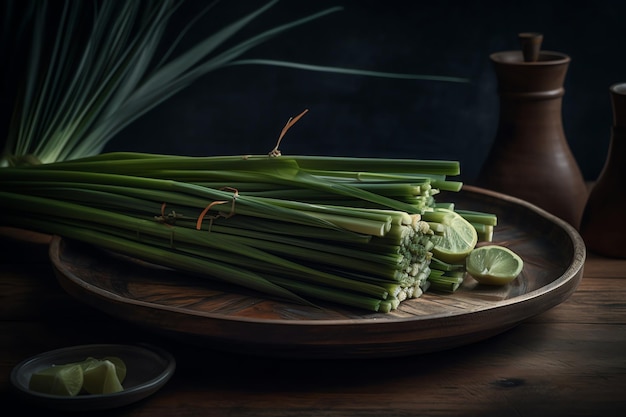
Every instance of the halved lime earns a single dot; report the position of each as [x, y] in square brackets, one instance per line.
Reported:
[459, 237]
[494, 265]
[100, 377]
[66, 380]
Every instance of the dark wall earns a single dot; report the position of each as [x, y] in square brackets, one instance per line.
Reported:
[240, 110]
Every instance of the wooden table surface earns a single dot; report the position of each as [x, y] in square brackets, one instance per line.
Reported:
[569, 361]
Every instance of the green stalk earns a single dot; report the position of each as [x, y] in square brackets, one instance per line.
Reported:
[485, 231]
[377, 165]
[478, 217]
[362, 169]
[350, 71]
[332, 295]
[158, 256]
[444, 283]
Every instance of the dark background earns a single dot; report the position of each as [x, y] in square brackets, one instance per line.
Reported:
[239, 110]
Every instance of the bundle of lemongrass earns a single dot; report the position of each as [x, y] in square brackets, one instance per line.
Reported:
[357, 232]
[353, 231]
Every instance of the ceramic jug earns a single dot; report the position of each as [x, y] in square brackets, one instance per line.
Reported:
[603, 226]
[530, 157]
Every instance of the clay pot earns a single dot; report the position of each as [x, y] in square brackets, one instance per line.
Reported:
[530, 157]
[603, 226]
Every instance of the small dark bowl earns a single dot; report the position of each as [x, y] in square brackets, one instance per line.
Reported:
[148, 369]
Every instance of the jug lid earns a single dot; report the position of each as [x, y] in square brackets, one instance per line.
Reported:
[530, 52]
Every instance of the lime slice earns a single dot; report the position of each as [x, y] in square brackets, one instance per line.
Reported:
[494, 265]
[120, 367]
[459, 237]
[66, 380]
[100, 377]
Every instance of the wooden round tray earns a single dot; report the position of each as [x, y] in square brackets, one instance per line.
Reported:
[200, 311]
